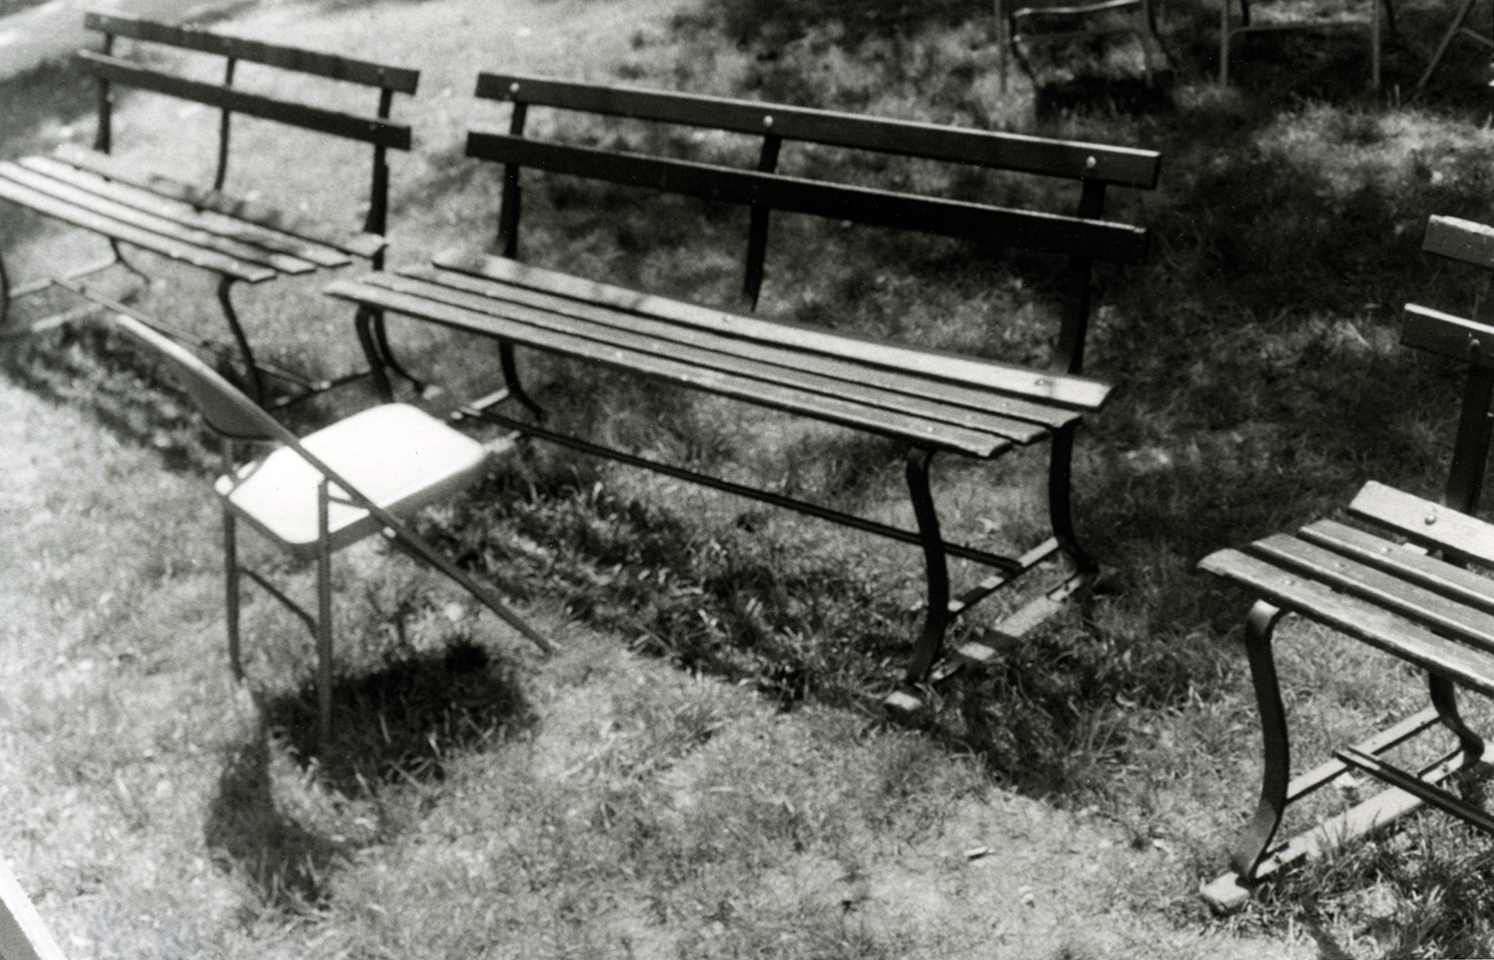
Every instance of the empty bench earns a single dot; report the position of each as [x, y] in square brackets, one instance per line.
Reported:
[198, 224]
[1404, 580]
[929, 401]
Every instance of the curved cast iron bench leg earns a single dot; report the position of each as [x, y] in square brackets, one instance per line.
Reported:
[1256, 840]
[936, 618]
[1445, 699]
[1060, 507]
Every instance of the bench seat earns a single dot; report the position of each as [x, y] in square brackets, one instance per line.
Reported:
[240, 241]
[1410, 578]
[975, 407]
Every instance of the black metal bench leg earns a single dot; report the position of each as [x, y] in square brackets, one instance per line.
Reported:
[511, 380]
[386, 353]
[366, 322]
[936, 619]
[1445, 699]
[1257, 838]
[4, 296]
[1060, 507]
[256, 378]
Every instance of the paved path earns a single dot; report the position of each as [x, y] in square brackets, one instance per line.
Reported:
[55, 29]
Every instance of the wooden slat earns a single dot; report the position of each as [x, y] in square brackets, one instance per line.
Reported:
[995, 150]
[384, 133]
[186, 230]
[636, 338]
[1425, 522]
[979, 223]
[820, 406]
[1452, 336]
[1462, 240]
[121, 230]
[669, 335]
[332, 66]
[358, 244]
[1083, 394]
[1375, 626]
[1415, 602]
[1458, 583]
[171, 209]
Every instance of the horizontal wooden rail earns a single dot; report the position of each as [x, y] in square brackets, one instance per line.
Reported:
[1121, 166]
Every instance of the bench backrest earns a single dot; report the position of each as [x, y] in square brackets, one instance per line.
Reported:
[376, 129]
[1082, 236]
[1470, 340]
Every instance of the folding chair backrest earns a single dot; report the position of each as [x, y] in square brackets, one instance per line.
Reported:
[225, 407]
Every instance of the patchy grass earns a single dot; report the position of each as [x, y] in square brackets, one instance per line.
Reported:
[702, 773]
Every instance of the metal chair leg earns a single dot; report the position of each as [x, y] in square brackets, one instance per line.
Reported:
[1255, 841]
[324, 617]
[232, 596]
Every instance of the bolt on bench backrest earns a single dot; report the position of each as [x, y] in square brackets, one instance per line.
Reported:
[1082, 236]
[377, 130]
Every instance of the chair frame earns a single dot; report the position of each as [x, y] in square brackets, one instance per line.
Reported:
[1372, 25]
[238, 420]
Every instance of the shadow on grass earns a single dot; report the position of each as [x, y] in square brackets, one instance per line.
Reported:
[396, 726]
[401, 722]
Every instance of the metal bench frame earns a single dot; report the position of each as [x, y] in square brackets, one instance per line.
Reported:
[1404, 591]
[856, 383]
[202, 226]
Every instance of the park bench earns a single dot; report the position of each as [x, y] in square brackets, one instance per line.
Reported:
[238, 239]
[1411, 580]
[930, 401]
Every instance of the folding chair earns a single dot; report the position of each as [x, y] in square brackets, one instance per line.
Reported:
[1082, 18]
[1369, 20]
[23, 936]
[315, 495]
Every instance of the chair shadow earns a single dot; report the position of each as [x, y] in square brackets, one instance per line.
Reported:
[398, 725]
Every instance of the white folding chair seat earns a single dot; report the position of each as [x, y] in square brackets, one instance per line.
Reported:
[315, 495]
[398, 456]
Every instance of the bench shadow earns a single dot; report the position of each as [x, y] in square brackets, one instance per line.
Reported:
[396, 726]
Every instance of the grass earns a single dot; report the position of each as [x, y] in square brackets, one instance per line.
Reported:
[703, 772]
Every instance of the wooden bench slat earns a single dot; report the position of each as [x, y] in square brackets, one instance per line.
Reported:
[1451, 336]
[357, 243]
[1068, 391]
[820, 406]
[973, 222]
[185, 233]
[838, 366]
[1379, 587]
[1122, 166]
[642, 334]
[1365, 621]
[155, 242]
[219, 224]
[1425, 522]
[384, 133]
[1458, 583]
[332, 66]
[1459, 239]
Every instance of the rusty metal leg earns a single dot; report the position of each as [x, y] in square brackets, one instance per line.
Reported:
[1256, 841]
[1060, 507]
[231, 597]
[256, 378]
[511, 380]
[1445, 699]
[936, 618]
